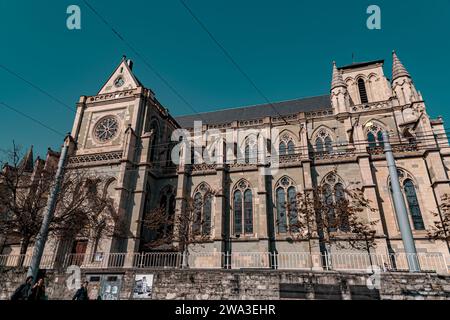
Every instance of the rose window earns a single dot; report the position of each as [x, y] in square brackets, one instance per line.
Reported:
[106, 129]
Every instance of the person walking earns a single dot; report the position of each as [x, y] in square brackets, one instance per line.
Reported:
[82, 293]
[38, 291]
[23, 291]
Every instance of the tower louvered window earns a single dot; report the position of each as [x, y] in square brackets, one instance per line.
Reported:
[362, 91]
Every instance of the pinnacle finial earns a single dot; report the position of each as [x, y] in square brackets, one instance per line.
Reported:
[27, 162]
[398, 70]
[337, 80]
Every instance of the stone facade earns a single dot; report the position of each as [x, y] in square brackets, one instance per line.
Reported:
[246, 285]
[338, 132]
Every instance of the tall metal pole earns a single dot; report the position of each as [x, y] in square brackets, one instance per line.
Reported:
[400, 208]
[41, 238]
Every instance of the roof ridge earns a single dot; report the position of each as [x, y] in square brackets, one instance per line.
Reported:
[254, 105]
[360, 64]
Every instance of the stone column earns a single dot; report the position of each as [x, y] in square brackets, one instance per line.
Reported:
[136, 184]
[124, 188]
[359, 138]
[182, 192]
[316, 261]
[260, 225]
[81, 106]
[219, 200]
[137, 152]
[368, 187]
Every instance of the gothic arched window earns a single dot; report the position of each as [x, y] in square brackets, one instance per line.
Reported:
[380, 138]
[251, 148]
[362, 91]
[411, 200]
[324, 142]
[282, 149]
[319, 144]
[167, 204]
[206, 228]
[287, 145]
[339, 194]
[413, 205]
[292, 201]
[237, 205]
[248, 212]
[197, 217]
[247, 154]
[375, 136]
[242, 209]
[328, 144]
[329, 201]
[286, 204]
[291, 147]
[202, 210]
[372, 140]
[333, 195]
[110, 188]
[281, 210]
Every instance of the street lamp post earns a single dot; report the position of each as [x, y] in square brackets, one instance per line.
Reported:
[400, 208]
[41, 238]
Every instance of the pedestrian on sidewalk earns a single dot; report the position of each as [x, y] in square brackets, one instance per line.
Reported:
[38, 291]
[23, 291]
[82, 293]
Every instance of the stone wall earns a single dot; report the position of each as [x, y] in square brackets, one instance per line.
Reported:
[243, 284]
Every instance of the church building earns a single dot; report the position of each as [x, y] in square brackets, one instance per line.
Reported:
[334, 140]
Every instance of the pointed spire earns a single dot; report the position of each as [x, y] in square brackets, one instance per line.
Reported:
[398, 70]
[27, 163]
[337, 80]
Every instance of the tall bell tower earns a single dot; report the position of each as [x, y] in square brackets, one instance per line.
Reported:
[117, 134]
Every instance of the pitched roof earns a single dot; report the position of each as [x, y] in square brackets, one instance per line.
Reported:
[360, 64]
[123, 70]
[257, 111]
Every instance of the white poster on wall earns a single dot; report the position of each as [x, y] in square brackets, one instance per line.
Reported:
[143, 285]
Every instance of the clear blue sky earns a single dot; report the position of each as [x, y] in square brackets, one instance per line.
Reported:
[285, 46]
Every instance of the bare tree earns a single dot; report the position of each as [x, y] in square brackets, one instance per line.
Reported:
[441, 227]
[180, 231]
[316, 216]
[82, 207]
[23, 196]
